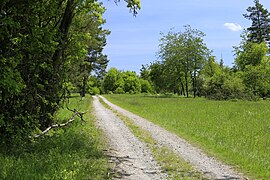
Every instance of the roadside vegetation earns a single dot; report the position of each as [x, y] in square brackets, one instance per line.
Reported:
[236, 132]
[73, 152]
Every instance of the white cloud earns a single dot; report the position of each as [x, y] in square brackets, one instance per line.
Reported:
[233, 26]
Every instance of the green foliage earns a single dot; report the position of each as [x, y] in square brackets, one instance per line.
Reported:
[121, 82]
[119, 90]
[131, 82]
[257, 78]
[252, 63]
[226, 85]
[250, 54]
[88, 39]
[183, 55]
[94, 91]
[145, 72]
[237, 132]
[75, 152]
[112, 80]
[93, 85]
[157, 76]
[44, 45]
[146, 86]
[133, 5]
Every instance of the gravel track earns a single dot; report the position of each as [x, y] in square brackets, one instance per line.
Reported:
[209, 166]
[131, 157]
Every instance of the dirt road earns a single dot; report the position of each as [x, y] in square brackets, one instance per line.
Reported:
[132, 158]
[127, 145]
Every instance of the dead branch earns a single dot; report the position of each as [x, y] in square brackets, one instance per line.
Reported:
[72, 118]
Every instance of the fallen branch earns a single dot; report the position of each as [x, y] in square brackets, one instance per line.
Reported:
[79, 114]
[72, 118]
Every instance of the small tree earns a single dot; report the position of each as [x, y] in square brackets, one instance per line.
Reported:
[131, 82]
[257, 78]
[146, 86]
[250, 54]
[113, 80]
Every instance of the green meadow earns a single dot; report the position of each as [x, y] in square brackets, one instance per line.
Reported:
[238, 132]
[73, 152]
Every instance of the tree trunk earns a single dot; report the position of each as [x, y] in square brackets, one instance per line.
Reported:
[83, 91]
[194, 84]
[63, 33]
[183, 89]
[186, 79]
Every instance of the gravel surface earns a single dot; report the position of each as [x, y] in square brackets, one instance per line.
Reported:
[209, 166]
[131, 157]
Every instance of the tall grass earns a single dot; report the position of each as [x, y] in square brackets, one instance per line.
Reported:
[74, 152]
[236, 132]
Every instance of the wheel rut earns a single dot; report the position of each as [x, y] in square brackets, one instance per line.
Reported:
[131, 157]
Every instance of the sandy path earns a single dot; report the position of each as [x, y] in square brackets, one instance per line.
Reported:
[133, 160]
[209, 166]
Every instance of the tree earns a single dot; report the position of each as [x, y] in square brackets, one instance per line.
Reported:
[131, 82]
[260, 29]
[93, 86]
[252, 63]
[157, 76]
[88, 38]
[113, 81]
[225, 85]
[145, 86]
[257, 78]
[120, 82]
[145, 72]
[39, 40]
[250, 54]
[183, 55]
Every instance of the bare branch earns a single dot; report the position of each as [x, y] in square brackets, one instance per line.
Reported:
[72, 118]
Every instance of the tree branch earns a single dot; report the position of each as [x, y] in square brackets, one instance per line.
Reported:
[72, 118]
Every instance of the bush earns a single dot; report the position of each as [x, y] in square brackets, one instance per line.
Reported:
[94, 90]
[227, 87]
[145, 86]
[119, 90]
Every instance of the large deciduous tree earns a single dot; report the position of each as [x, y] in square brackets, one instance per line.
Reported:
[183, 55]
[39, 41]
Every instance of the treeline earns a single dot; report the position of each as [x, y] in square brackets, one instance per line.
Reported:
[47, 48]
[186, 67]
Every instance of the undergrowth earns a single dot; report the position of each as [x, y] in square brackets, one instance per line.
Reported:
[73, 152]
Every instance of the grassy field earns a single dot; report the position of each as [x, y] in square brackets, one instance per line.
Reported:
[236, 132]
[75, 152]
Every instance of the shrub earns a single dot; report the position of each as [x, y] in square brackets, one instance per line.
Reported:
[94, 90]
[119, 90]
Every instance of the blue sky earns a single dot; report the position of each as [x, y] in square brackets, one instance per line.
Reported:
[134, 40]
